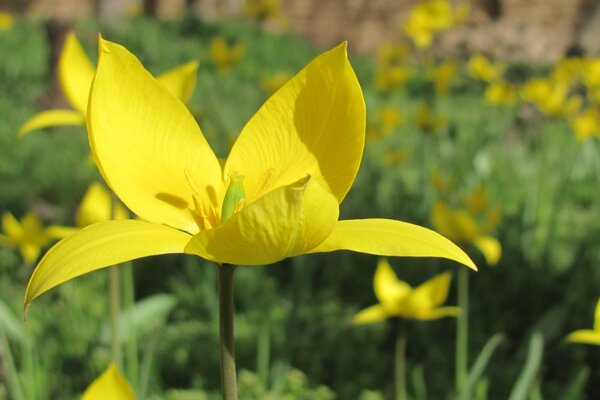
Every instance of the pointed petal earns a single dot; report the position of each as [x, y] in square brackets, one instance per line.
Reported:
[29, 251]
[147, 144]
[439, 312]
[99, 246]
[60, 232]
[490, 247]
[454, 223]
[431, 293]
[97, 205]
[11, 227]
[284, 223]
[181, 81]
[586, 336]
[75, 73]
[298, 131]
[388, 288]
[387, 237]
[597, 317]
[110, 385]
[369, 315]
[50, 118]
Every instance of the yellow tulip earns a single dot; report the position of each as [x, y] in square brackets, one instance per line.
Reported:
[586, 124]
[6, 21]
[110, 385]
[223, 55]
[272, 83]
[29, 234]
[501, 92]
[398, 299]
[427, 121]
[75, 74]
[98, 205]
[430, 17]
[276, 196]
[588, 336]
[442, 76]
[481, 68]
[550, 97]
[462, 226]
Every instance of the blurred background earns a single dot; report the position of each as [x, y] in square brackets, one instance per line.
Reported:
[483, 119]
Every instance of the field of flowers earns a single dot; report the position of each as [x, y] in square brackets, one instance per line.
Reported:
[502, 159]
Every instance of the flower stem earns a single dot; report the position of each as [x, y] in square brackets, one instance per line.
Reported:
[115, 311]
[400, 359]
[462, 329]
[226, 332]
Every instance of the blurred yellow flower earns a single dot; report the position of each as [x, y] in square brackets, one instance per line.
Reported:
[395, 157]
[271, 83]
[392, 69]
[591, 72]
[550, 97]
[392, 54]
[442, 75]
[75, 74]
[6, 21]
[223, 55]
[588, 336]
[427, 121]
[429, 17]
[398, 299]
[29, 234]
[110, 385]
[470, 226]
[262, 10]
[481, 68]
[98, 205]
[501, 92]
[586, 124]
[568, 70]
[440, 182]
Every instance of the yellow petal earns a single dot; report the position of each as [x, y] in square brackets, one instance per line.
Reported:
[50, 118]
[387, 237]
[369, 315]
[99, 246]
[597, 317]
[314, 124]
[431, 293]
[60, 232]
[97, 206]
[586, 336]
[490, 248]
[29, 251]
[11, 227]
[181, 81]
[110, 385]
[147, 144]
[439, 312]
[75, 73]
[456, 224]
[388, 288]
[288, 221]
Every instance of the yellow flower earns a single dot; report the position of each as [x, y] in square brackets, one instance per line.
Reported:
[482, 69]
[272, 83]
[29, 234]
[550, 97]
[223, 55]
[586, 124]
[397, 299]
[501, 92]
[97, 206]
[430, 17]
[591, 72]
[464, 227]
[75, 74]
[427, 121]
[588, 336]
[442, 76]
[276, 196]
[262, 9]
[6, 21]
[110, 385]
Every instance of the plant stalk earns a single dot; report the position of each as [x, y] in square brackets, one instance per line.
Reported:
[226, 331]
[462, 329]
[400, 359]
[115, 311]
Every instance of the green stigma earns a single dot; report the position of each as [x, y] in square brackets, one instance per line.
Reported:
[235, 197]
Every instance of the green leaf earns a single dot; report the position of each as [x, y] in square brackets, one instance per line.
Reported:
[12, 325]
[532, 365]
[480, 364]
[575, 389]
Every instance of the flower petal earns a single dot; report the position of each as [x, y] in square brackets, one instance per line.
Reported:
[11, 227]
[99, 246]
[438, 312]
[388, 288]
[586, 336]
[431, 293]
[454, 223]
[298, 131]
[59, 231]
[597, 317]
[490, 247]
[181, 81]
[50, 118]
[75, 73]
[97, 205]
[147, 144]
[110, 385]
[288, 221]
[387, 237]
[369, 315]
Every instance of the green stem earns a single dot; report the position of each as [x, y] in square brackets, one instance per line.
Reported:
[400, 359]
[462, 329]
[115, 310]
[226, 332]
[263, 352]
[8, 363]
[131, 346]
